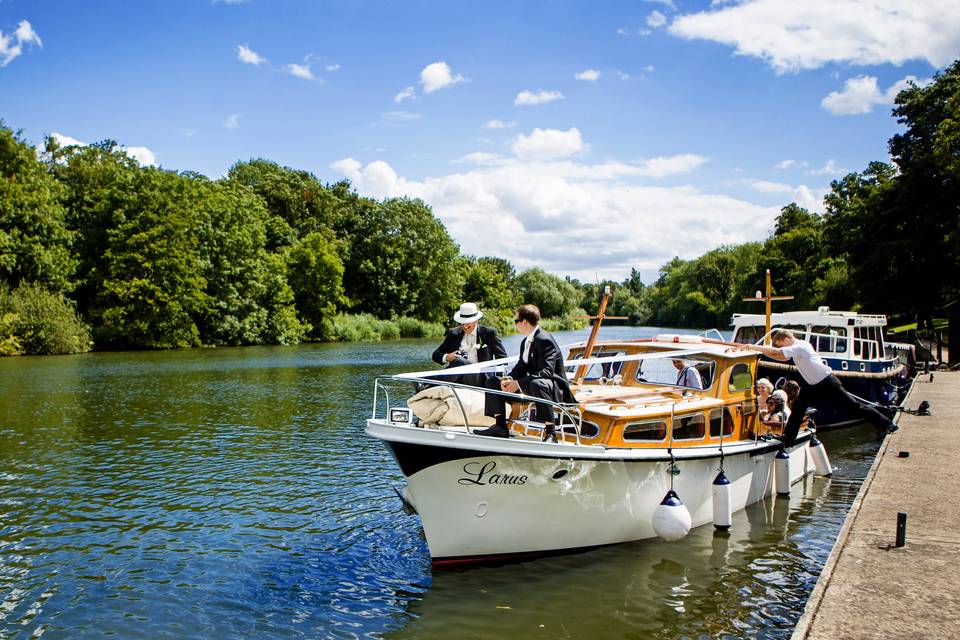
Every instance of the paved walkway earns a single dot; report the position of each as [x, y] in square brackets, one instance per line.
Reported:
[869, 591]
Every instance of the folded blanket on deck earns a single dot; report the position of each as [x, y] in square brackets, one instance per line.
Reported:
[437, 405]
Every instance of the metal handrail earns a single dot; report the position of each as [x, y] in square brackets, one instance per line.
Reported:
[564, 407]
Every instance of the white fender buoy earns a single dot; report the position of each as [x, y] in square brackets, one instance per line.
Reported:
[722, 514]
[821, 462]
[781, 471]
[671, 520]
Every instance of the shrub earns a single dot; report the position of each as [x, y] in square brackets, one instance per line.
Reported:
[413, 328]
[38, 322]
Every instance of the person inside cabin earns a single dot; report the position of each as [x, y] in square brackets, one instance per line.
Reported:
[764, 388]
[817, 384]
[469, 343]
[687, 375]
[777, 414]
[539, 372]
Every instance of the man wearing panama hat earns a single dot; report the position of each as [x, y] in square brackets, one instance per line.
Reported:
[469, 343]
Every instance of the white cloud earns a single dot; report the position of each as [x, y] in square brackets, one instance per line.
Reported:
[786, 164]
[791, 36]
[248, 55]
[764, 186]
[621, 31]
[861, 95]
[143, 155]
[656, 20]
[526, 98]
[597, 218]
[300, 71]
[667, 165]
[623, 75]
[332, 67]
[829, 169]
[481, 158]
[400, 116]
[408, 93]
[548, 144]
[649, 68]
[232, 121]
[498, 124]
[667, 3]
[11, 46]
[437, 76]
[589, 75]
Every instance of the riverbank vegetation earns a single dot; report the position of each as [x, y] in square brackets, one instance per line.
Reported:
[98, 251]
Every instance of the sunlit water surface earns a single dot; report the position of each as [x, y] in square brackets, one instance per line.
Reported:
[232, 493]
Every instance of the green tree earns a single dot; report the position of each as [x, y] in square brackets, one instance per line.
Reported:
[153, 288]
[240, 275]
[34, 238]
[490, 283]
[554, 296]
[316, 276]
[401, 262]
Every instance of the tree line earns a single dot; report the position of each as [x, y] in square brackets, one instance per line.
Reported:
[98, 251]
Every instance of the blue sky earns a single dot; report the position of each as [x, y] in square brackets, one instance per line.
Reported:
[583, 137]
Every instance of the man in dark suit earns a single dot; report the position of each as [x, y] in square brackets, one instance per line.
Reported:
[469, 343]
[539, 373]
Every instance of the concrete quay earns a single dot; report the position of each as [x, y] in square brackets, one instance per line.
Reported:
[871, 589]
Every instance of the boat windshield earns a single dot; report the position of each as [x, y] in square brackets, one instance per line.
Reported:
[663, 371]
[601, 370]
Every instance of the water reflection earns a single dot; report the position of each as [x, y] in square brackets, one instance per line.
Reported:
[232, 492]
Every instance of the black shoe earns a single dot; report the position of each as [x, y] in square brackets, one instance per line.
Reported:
[549, 433]
[496, 431]
[890, 428]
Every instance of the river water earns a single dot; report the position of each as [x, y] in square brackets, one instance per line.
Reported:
[232, 493]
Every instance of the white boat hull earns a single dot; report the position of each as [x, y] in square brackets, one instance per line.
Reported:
[484, 497]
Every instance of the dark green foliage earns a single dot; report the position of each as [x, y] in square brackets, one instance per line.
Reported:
[402, 262]
[35, 321]
[34, 238]
[553, 295]
[316, 277]
[490, 283]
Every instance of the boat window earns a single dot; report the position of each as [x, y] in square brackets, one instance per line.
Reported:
[662, 371]
[740, 378]
[860, 334]
[825, 339]
[596, 371]
[650, 431]
[720, 417]
[588, 430]
[749, 335]
[691, 427]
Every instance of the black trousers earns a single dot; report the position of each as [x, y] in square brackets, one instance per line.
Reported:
[829, 390]
[543, 388]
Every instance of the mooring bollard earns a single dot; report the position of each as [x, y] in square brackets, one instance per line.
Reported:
[901, 529]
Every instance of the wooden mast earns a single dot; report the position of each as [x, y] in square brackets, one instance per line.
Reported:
[601, 314]
[768, 299]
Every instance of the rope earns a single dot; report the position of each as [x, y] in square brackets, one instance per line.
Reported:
[782, 366]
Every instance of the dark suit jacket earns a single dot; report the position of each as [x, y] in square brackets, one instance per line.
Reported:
[489, 346]
[545, 361]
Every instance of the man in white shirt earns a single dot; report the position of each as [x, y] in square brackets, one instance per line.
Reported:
[469, 343]
[688, 376]
[818, 384]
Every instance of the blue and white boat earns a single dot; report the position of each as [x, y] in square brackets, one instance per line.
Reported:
[852, 344]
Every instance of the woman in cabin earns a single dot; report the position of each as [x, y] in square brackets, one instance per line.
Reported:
[763, 388]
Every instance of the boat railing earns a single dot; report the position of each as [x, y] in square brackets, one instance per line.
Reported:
[570, 411]
[833, 344]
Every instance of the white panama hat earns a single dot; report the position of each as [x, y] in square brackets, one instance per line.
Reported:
[468, 313]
